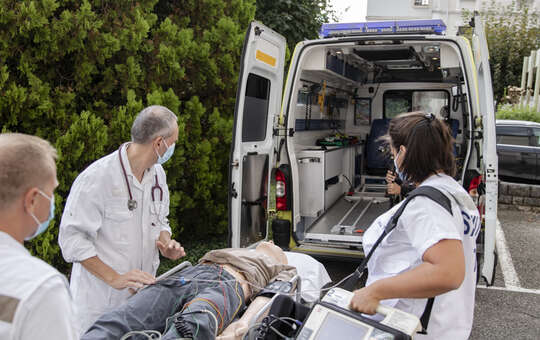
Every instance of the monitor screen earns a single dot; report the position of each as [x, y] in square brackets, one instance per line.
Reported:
[336, 327]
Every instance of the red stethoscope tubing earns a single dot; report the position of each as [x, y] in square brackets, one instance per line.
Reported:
[156, 186]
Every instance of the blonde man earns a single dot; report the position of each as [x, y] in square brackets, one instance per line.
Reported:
[34, 297]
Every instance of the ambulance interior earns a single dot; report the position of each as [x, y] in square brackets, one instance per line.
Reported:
[345, 96]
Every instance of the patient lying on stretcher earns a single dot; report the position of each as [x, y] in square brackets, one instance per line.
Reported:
[201, 301]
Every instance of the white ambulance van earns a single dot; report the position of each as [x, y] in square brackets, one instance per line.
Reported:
[307, 166]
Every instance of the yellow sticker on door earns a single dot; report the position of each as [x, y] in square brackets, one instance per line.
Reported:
[265, 58]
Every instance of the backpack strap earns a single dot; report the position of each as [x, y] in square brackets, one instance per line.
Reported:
[426, 191]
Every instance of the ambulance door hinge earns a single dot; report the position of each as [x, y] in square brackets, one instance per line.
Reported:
[276, 132]
[476, 134]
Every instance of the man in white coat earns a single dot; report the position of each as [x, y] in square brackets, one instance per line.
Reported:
[115, 218]
[34, 297]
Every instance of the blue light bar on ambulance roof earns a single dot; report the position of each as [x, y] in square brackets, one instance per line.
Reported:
[433, 26]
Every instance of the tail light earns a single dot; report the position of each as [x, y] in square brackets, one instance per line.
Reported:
[281, 191]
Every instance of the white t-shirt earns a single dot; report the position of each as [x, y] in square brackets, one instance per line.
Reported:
[34, 297]
[423, 224]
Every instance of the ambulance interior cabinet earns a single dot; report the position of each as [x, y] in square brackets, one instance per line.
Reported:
[320, 181]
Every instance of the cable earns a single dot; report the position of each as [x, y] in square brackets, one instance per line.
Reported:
[277, 332]
[239, 300]
[288, 294]
[212, 304]
[148, 333]
[196, 321]
[215, 321]
[224, 295]
[250, 329]
[299, 323]
[347, 178]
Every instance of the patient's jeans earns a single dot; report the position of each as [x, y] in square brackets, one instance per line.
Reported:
[157, 307]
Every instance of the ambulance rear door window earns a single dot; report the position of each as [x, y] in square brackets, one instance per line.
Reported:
[255, 117]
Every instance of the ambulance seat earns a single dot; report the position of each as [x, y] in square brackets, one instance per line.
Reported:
[377, 160]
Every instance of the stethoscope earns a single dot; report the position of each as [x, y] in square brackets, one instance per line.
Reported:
[132, 204]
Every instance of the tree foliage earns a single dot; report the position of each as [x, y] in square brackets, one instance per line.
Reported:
[77, 72]
[518, 112]
[296, 20]
[512, 32]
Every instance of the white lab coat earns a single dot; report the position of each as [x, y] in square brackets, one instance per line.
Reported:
[423, 224]
[34, 297]
[97, 221]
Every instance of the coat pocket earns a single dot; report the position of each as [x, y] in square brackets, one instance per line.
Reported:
[118, 220]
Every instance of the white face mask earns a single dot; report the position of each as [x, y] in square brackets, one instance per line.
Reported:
[401, 174]
[167, 154]
[42, 226]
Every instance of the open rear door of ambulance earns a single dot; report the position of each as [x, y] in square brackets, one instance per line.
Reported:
[258, 102]
[489, 159]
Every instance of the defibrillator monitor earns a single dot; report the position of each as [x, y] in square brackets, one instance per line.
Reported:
[328, 322]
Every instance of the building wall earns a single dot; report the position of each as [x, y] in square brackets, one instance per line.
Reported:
[447, 10]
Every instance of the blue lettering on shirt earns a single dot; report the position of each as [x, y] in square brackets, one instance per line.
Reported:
[472, 224]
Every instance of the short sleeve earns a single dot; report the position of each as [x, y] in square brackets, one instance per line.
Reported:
[426, 223]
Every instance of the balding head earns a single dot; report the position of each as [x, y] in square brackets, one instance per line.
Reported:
[25, 162]
[153, 121]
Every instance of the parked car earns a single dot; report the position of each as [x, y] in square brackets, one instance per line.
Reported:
[518, 147]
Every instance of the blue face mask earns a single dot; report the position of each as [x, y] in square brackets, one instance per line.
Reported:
[167, 155]
[400, 173]
[45, 224]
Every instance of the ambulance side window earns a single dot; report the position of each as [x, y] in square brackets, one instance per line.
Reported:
[255, 112]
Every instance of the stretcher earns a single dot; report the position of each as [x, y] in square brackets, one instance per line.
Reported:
[329, 315]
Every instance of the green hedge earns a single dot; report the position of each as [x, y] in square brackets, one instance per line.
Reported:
[517, 112]
[77, 72]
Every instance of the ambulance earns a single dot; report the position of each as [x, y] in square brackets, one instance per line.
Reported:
[307, 166]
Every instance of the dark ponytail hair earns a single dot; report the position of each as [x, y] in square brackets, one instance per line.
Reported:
[429, 145]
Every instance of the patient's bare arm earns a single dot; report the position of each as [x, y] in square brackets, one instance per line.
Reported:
[237, 329]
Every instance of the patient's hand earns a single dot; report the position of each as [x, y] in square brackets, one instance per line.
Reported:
[235, 331]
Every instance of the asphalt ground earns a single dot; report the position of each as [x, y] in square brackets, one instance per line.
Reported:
[510, 309]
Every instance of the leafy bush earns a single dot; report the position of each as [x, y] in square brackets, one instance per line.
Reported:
[194, 251]
[517, 112]
[77, 72]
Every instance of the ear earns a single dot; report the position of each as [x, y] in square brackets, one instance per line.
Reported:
[29, 199]
[157, 141]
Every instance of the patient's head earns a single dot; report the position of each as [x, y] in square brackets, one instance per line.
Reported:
[270, 249]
